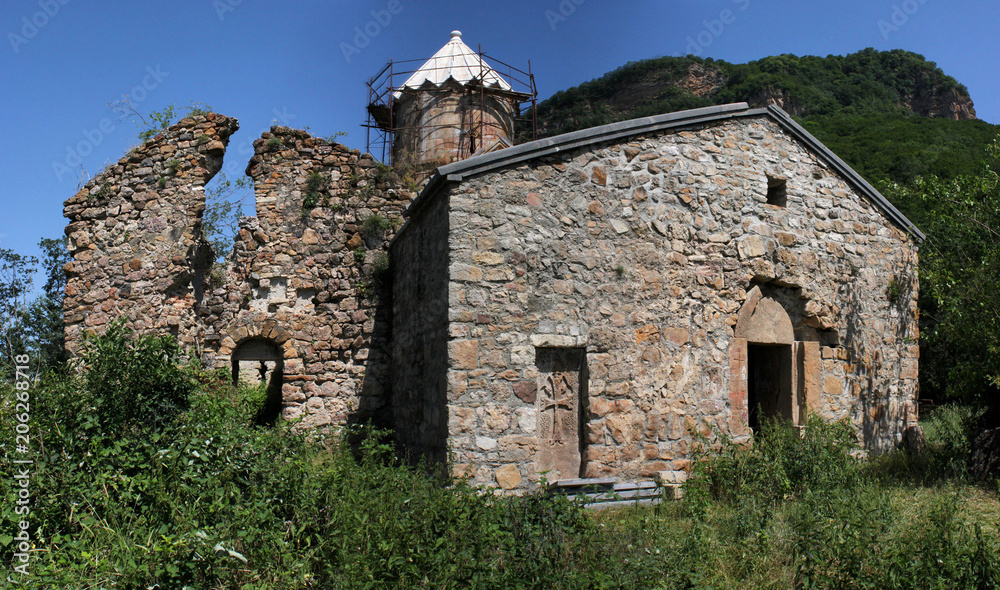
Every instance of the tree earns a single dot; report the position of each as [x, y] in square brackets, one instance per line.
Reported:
[223, 210]
[959, 278]
[15, 286]
[44, 321]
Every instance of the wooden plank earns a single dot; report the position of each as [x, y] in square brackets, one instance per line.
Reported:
[640, 485]
[635, 494]
[605, 492]
[596, 481]
[623, 504]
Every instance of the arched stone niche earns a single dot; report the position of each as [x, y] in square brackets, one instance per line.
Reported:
[261, 360]
[268, 330]
[258, 352]
[771, 374]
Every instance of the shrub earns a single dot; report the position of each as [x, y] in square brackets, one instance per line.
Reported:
[134, 380]
[782, 462]
[860, 540]
[309, 201]
[383, 173]
[374, 226]
[253, 399]
[380, 268]
[740, 496]
[315, 184]
[948, 431]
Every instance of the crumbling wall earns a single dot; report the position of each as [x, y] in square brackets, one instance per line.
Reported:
[135, 235]
[309, 274]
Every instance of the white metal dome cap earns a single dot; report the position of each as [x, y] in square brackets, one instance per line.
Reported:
[455, 61]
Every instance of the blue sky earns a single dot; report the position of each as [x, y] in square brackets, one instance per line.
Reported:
[305, 63]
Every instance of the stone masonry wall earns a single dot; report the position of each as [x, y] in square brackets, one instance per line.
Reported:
[420, 333]
[626, 282]
[135, 235]
[643, 254]
[311, 270]
[307, 275]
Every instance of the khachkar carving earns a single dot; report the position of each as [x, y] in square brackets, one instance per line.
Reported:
[559, 388]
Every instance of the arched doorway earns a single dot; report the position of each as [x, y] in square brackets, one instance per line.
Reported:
[260, 360]
[763, 367]
[769, 383]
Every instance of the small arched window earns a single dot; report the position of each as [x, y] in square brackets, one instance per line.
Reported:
[259, 361]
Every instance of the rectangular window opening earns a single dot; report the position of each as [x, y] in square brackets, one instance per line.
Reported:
[776, 193]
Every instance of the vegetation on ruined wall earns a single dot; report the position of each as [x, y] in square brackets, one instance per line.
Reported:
[224, 198]
[205, 499]
[157, 121]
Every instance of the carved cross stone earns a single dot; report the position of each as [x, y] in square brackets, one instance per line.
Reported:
[560, 372]
[559, 393]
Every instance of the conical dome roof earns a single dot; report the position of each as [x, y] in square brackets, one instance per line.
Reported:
[455, 61]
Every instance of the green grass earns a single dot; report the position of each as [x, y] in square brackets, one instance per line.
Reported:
[204, 498]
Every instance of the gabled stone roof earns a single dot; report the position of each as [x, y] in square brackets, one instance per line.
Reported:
[480, 164]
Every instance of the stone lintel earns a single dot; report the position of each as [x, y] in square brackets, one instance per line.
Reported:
[557, 341]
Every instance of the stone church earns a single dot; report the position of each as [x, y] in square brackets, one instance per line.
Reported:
[585, 305]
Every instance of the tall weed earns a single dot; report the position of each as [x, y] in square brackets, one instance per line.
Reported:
[135, 380]
[195, 494]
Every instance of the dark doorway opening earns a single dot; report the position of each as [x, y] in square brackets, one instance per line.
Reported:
[769, 383]
[260, 363]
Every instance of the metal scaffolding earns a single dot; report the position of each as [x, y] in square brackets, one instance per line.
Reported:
[382, 126]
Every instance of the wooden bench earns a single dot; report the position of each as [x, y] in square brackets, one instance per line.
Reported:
[608, 492]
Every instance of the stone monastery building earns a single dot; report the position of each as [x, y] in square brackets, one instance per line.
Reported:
[582, 305]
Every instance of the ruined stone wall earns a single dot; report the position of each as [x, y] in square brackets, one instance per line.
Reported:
[310, 272]
[642, 255]
[135, 235]
[308, 275]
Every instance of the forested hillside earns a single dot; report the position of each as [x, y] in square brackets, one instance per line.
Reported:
[890, 115]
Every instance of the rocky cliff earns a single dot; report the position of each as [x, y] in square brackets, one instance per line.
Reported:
[865, 83]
